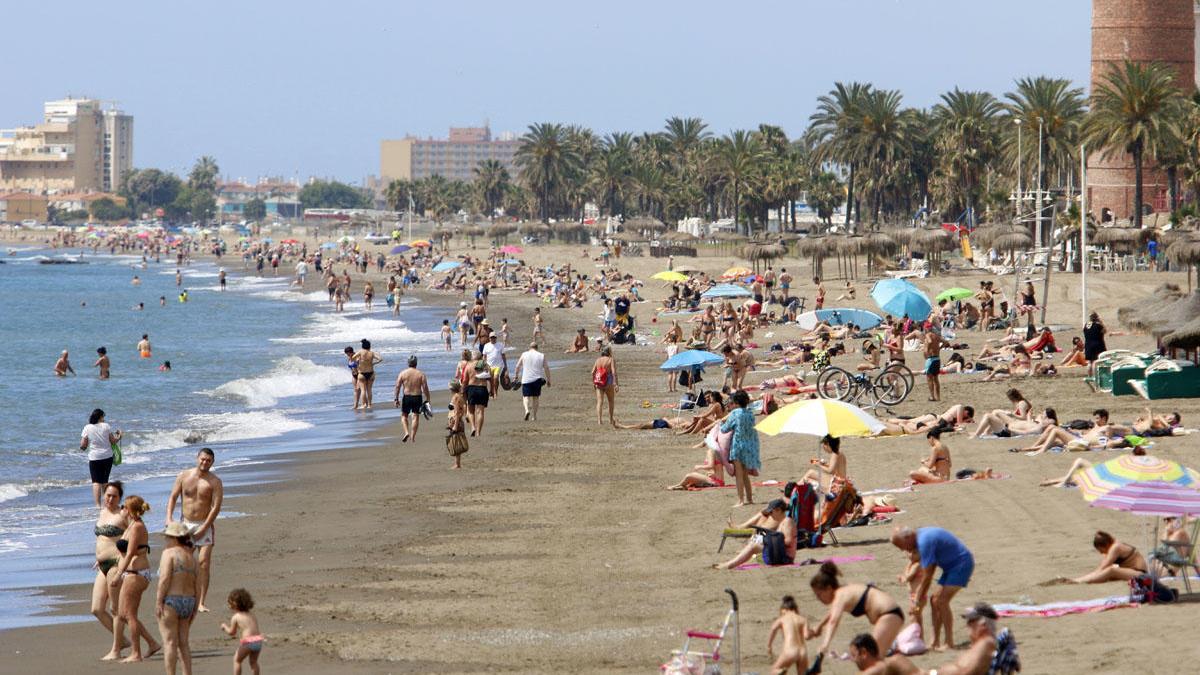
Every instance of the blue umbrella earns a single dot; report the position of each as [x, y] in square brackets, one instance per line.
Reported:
[511, 261]
[901, 298]
[329, 244]
[725, 291]
[840, 316]
[446, 265]
[691, 358]
[401, 249]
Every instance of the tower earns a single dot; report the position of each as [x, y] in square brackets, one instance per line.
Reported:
[1141, 31]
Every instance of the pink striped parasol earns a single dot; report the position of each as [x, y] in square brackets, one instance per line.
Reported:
[1152, 498]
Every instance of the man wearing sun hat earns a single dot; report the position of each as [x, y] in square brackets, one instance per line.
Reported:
[991, 651]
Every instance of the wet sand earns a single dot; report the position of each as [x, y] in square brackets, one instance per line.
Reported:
[557, 548]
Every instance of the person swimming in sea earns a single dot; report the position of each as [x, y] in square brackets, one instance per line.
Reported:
[165, 367]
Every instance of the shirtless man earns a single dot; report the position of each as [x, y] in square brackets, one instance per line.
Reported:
[202, 493]
[977, 659]
[864, 652]
[1096, 437]
[933, 361]
[143, 346]
[412, 383]
[63, 365]
[776, 511]
[580, 344]
[102, 363]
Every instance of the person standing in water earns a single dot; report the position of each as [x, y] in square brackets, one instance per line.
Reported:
[414, 387]
[366, 360]
[98, 438]
[102, 363]
[143, 346]
[202, 493]
[63, 365]
[221, 278]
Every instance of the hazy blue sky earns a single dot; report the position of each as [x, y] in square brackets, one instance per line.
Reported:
[298, 87]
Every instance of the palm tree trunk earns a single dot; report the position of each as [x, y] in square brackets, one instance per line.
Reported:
[1137, 184]
[849, 194]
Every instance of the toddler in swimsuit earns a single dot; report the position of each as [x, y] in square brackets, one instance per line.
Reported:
[243, 620]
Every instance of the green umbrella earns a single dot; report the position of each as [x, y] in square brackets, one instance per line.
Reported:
[954, 294]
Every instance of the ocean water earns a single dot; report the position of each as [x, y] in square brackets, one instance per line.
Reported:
[257, 371]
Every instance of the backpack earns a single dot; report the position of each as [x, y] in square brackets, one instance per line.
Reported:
[774, 550]
[600, 377]
[1145, 589]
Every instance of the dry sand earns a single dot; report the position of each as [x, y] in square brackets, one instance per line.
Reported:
[557, 549]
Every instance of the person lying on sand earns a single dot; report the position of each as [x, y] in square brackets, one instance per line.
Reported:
[1120, 562]
[1006, 425]
[1096, 437]
[1149, 424]
[1021, 364]
[936, 467]
[955, 417]
[1080, 464]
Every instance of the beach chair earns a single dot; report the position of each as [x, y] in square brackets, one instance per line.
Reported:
[832, 513]
[686, 661]
[801, 507]
[1166, 378]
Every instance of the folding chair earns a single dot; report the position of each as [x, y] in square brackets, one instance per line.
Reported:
[833, 511]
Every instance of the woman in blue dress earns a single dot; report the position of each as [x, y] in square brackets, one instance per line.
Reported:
[743, 450]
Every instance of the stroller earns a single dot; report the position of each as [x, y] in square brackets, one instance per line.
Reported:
[687, 661]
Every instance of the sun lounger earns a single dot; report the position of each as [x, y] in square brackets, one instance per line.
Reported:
[1167, 379]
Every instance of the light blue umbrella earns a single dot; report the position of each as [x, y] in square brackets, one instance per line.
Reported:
[839, 316]
[511, 261]
[329, 244]
[900, 298]
[725, 291]
[446, 265]
[691, 358]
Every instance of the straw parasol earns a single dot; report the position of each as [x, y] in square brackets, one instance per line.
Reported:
[645, 223]
[933, 240]
[1172, 316]
[1186, 336]
[1124, 238]
[1138, 316]
[1016, 240]
[678, 236]
[757, 253]
[534, 228]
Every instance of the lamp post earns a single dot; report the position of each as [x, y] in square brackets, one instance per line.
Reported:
[1038, 238]
[1019, 163]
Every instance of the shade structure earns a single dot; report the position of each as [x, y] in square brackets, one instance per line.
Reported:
[953, 294]
[329, 244]
[736, 272]
[691, 358]
[396, 250]
[511, 250]
[839, 316]
[901, 298]
[1152, 498]
[818, 417]
[420, 243]
[446, 265]
[725, 291]
[668, 275]
[1120, 471]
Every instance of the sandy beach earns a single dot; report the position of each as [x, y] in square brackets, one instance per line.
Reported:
[557, 548]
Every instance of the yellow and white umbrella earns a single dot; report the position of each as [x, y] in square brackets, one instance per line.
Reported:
[818, 417]
[670, 276]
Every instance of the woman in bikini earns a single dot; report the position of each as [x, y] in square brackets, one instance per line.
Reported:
[871, 357]
[987, 304]
[881, 610]
[794, 627]
[956, 416]
[708, 326]
[366, 360]
[110, 525]
[176, 606]
[129, 580]
[1121, 562]
[671, 339]
[1075, 357]
[999, 418]
[604, 381]
[936, 467]
[834, 467]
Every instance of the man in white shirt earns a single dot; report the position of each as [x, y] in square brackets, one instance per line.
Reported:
[534, 372]
[497, 362]
[301, 271]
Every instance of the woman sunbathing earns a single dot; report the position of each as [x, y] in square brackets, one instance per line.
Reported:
[956, 416]
[1001, 425]
[1075, 357]
[1022, 364]
[709, 474]
[1121, 562]
[1021, 411]
[936, 467]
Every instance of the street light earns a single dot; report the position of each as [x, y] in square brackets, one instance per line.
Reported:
[1019, 158]
[1039, 183]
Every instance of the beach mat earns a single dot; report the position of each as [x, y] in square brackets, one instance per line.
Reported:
[998, 476]
[1053, 609]
[765, 483]
[808, 562]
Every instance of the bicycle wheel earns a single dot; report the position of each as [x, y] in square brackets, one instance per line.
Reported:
[902, 370]
[890, 388]
[835, 383]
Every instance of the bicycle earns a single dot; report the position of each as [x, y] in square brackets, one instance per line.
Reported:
[890, 387]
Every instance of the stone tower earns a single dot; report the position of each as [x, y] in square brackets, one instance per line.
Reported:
[1142, 31]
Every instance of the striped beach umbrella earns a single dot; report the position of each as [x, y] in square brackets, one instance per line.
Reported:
[1120, 471]
[818, 417]
[1153, 498]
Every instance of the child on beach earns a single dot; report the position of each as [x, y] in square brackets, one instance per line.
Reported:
[242, 620]
[447, 333]
[794, 628]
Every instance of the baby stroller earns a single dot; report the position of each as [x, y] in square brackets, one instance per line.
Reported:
[687, 661]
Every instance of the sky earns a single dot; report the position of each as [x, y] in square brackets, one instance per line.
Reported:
[301, 88]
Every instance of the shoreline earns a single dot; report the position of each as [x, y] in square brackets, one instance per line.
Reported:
[556, 548]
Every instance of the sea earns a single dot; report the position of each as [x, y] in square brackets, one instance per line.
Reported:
[257, 371]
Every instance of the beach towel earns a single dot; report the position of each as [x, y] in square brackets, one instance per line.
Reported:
[1053, 609]
[995, 476]
[765, 483]
[809, 561]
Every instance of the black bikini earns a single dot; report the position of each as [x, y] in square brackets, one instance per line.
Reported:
[860, 608]
[1124, 559]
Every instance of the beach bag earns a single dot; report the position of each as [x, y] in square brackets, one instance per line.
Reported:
[1144, 589]
[456, 443]
[910, 642]
[687, 402]
[505, 380]
[1079, 425]
[774, 549]
[600, 377]
[116, 451]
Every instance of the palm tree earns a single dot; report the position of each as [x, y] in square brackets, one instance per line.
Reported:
[546, 160]
[967, 140]
[1059, 108]
[684, 136]
[834, 130]
[609, 177]
[882, 140]
[1136, 109]
[739, 155]
[204, 174]
[491, 180]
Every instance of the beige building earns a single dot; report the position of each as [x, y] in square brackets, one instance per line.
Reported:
[77, 147]
[454, 158]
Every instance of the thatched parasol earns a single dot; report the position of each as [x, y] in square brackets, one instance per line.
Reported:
[933, 240]
[472, 231]
[851, 245]
[1172, 316]
[986, 235]
[1125, 238]
[1186, 336]
[442, 233]
[880, 243]
[758, 252]
[721, 235]
[677, 236]
[645, 223]
[1016, 240]
[566, 227]
[820, 246]
[1150, 308]
[532, 228]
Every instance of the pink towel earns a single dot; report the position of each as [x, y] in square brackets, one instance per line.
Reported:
[1064, 608]
[810, 561]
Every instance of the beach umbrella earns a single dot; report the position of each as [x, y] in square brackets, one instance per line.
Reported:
[446, 265]
[1140, 314]
[511, 261]
[818, 417]
[420, 243]
[511, 250]
[691, 358]
[735, 272]
[670, 276]
[328, 244]
[953, 294]
[1152, 498]
[685, 268]
[290, 241]
[1105, 477]
[725, 291]
[396, 250]
[901, 298]
[839, 316]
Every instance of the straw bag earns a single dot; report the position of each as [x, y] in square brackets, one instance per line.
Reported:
[456, 443]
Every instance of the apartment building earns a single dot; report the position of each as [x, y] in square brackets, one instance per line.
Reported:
[454, 158]
[77, 147]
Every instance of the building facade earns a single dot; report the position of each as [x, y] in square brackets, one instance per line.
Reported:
[454, 158]
[1141, 31]
[77, 147]
[281, 198]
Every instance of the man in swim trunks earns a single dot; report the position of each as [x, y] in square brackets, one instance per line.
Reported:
[412, 384]
[63, 365]
[933, 360]
[493, 353]
[938, 548]
[202, 493]
[143, 346]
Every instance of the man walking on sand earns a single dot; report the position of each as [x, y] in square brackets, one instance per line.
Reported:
[533, 372]
[415, 389]
[933, 360]
[202, 493]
